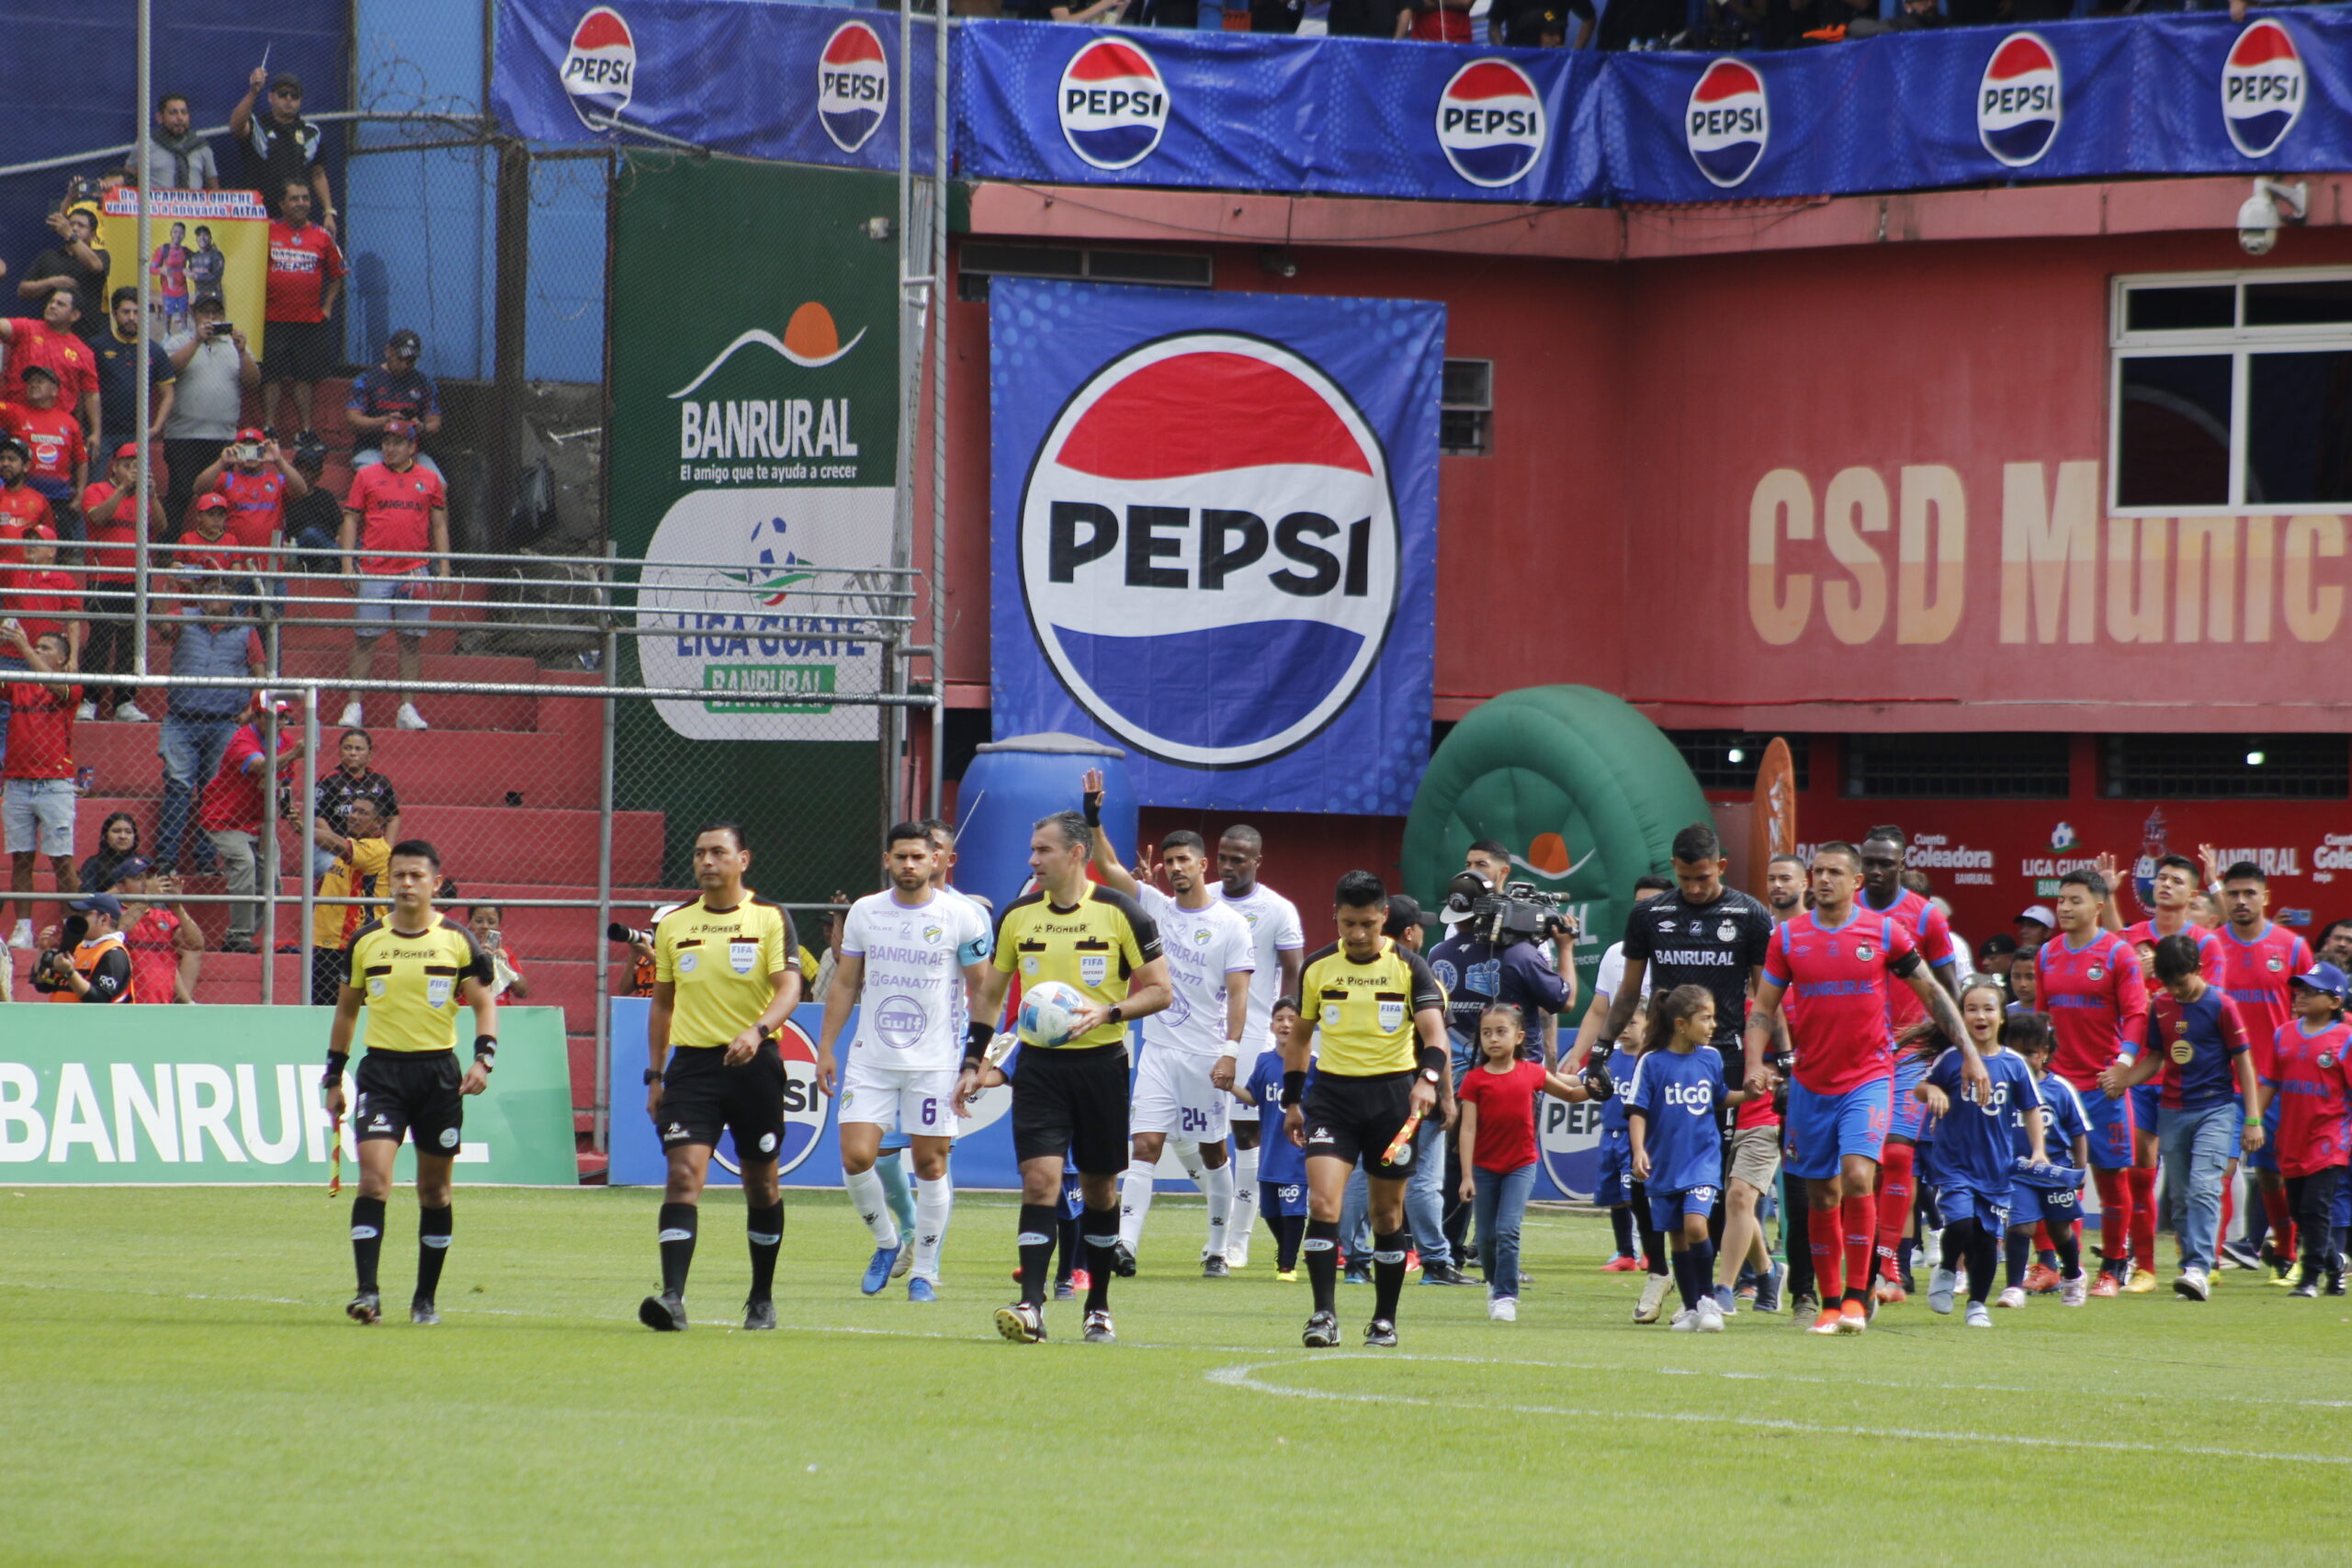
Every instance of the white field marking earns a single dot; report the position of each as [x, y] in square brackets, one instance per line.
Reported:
[1240, 1377]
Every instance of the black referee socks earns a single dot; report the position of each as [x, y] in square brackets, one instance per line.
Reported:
[432, 1231]
[1098, 1229]
[1037, 1243]
[366, 1237]
[1388, 1272]
[766, 1228]
[1323, 1263]
[677, 1235]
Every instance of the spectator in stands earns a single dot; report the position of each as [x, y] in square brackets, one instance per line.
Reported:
[1624, 22]
[281, 147]
[109, 511]
[117, 349]
[214, 371]
[167, 945]
[1275, 15]
[48, 600]
[51, 340]
[1441, 21]
[1374, 18]
[354, 780]
[60, 469]
[510, 985]
[314, 522]
[356, 861]
[208, 560]
[258, 478]
[1539, 24]
[38, 806]
[98, 969]
[118, 847]
[236, 809]
[74, 263]
[394, 389]
[199, 721]
[395, 514]
[1107, 12]
[304, 283]
[177, 158]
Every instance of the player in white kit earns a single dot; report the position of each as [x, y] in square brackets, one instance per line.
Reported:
[1280, 945]
[914, 956]
[1185, 1074]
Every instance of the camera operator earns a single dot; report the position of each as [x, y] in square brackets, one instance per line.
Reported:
[98, 969]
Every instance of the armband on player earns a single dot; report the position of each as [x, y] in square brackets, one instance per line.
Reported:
[1293, 1088]
[486, 1052]
[977, 1036]
[336, 1062]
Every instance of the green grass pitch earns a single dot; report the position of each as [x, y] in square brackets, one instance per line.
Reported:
[178, 1385]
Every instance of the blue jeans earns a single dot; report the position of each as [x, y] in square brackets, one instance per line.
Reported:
[191, 746]
[2197, 1145]
[1425, 1198]
[1355, 1220]
[1501, 1201]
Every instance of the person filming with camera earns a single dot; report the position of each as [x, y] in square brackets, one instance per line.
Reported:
[98, 968]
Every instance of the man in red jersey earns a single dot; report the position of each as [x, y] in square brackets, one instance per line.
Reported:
[259, 480]
[305, 279]
[2260, 961]
[61, 458]
[2172, 889]
[1839, 961]
[50, 340]
[2309, 1088]
[2088, 981]
[395, 542]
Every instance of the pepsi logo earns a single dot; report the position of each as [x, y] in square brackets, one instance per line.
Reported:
[1490, 123]
[1205, 511]
[852, 85]
[1113, 103]
[2021, 102]
[1569, 1137]
[600, 68]
[1729, 123]
[2262, 88]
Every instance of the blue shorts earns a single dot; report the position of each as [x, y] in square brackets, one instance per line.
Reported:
[1273, 1202]
[2110, 1126]
[1616, 1183]
[2147, 1100]
[2040, 1206]
[1959, 1200]
[394, 603]
[1909, 1113]
[2267, 1157]
[1669, 1209]
[1823, 1129]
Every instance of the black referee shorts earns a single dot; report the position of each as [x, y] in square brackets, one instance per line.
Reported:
[404, 1092]
[1357, 1119]
[702, 1097]
[1074, 1102]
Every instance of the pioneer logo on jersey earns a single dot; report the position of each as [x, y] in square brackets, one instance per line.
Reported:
[1113, 103]
[1729, 123]
[600, 68]
[1209, 548]
[2021, 102]
[1490, 123]
[852, 85]
[2262, 88]
[804, 1106]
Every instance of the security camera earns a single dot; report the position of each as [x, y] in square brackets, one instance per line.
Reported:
[2260, 218]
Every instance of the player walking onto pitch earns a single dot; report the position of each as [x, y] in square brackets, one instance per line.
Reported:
[1071, 1098]
[1281, 952]
[914, 957]
[726, 972]
[412, 970]
[1380, 1016]
[2089, 982]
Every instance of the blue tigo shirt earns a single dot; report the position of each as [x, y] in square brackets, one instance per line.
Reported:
[1280, 1163]
[1678, 1096]
[2062, 1120]
[1622, 1065]
[1976, 1144]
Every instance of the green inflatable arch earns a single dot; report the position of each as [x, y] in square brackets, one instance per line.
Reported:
[1586, 792]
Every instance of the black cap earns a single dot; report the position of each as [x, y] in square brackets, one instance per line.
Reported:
[32, 370]
[210, 302]
[406, 344]
[286, 79]
[1404, 914]
[10, 443]
[97, 904]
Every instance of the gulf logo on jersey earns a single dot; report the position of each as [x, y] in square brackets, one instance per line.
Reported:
[2262, 88]
[1729, 122]
[804, 1106]
[852, 85]
[1209, 548]
[1490, 123]
[2020, 101]
[600, 68]
[1114, 105]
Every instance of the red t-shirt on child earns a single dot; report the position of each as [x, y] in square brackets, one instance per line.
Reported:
[1505, 1102]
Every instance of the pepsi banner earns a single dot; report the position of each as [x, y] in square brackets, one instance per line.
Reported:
[1213, 537]
[802, 84]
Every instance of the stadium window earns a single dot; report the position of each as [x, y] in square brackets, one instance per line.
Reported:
[1466, 403]
[1168, 269]
[2028, 766]
[1728, 758]
[2225, 767]
[2231, 392]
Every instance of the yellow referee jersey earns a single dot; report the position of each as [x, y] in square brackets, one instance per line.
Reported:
[1097, 946]
[1364, 1010]
[723, 963]
[409, 982]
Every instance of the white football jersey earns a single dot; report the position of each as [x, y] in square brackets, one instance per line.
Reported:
[1274, 929]
[912, 1011]
[1202, 947]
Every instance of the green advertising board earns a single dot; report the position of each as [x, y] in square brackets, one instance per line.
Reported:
[231, 1094]
[754, 425]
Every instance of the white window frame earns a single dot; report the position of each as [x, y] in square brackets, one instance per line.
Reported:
[2237, 343]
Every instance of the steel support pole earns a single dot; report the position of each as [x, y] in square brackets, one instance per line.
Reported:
[601, 1114]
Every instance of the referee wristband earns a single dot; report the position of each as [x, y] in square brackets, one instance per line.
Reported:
[1293, 1087]
[486, 1050]
[336, 1061]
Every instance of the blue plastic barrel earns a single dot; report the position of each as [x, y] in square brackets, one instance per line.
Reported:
[1012, 782]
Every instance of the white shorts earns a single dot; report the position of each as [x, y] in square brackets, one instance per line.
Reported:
[919, 1103]
[1174, 1095]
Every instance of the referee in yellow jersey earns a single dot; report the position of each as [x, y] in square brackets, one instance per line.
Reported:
[1071, 1099]
[725, 973]
[1380, 1017]
[412, 970]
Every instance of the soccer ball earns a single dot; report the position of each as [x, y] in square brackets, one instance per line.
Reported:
[1047, 1011]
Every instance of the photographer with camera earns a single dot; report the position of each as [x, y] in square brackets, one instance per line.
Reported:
[98, 968]
[213, 371]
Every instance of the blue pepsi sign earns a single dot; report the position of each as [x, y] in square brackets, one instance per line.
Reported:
[1215, 535]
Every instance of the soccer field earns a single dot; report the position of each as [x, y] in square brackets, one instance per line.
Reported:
[178, 1384]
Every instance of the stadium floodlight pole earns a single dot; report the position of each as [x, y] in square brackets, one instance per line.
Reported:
[141, 147]
[939, 412]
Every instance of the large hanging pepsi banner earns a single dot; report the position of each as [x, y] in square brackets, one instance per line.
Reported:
[1213, 537]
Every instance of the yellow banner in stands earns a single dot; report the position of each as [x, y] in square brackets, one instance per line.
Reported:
[205, 242]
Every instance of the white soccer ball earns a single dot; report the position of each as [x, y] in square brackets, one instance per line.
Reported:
[1047, 1012]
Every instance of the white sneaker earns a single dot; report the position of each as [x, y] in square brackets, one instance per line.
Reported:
[1977, 1316]
[131, 713]
[410, 718]
[2012, 1297]
[1652, 1298]
[1237, 1251]
[23, 939]
[1941, 1288]
[1711, 1316]
[1503, 1309]
[352, 718]
[2193, 1285]
[1685, 1321]
[2074, 1292]
[86, 711]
